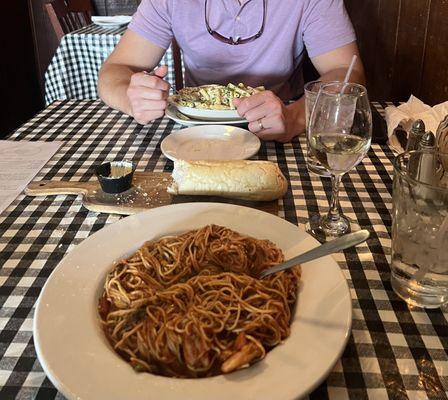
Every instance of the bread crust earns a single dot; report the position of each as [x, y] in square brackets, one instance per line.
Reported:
[245, 179]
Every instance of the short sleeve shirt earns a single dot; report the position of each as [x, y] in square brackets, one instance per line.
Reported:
[272, 60]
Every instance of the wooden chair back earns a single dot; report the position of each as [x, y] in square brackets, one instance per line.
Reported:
[68, 16]
[81, 10]
[177, 61]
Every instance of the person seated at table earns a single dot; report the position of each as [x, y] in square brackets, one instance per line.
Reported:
[256, 42]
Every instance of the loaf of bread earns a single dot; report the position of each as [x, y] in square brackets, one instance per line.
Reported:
[246, 180]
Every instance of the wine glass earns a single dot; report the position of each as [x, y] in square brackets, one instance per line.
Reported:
[340, 133]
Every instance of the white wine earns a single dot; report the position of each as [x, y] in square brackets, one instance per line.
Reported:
[339, 152]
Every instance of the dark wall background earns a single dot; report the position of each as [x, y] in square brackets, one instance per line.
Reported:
[19, 87]
[404, 46]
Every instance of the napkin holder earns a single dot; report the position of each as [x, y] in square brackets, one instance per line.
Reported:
[405, 114]
[442, 142]
[442, 136]
[400, 137]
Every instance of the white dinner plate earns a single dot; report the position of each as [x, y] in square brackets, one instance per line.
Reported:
[204, 114]
[111, 20]
[174, 114]
[209, 115]
[210, 142]
[78, 360]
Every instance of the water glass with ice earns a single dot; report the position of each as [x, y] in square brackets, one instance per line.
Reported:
[312, 163]
[420, 228]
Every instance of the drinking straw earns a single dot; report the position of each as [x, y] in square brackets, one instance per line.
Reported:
[350, 69]
[349, 72]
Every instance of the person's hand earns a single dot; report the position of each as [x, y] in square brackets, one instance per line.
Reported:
[147, 95]
[268, 117]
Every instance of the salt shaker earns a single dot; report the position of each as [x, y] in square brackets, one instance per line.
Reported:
[427, 163]
[427, 141]
[415, 135]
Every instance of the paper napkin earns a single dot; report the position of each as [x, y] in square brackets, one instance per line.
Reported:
[406, 114]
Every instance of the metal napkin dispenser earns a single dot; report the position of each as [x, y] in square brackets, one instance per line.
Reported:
[442, 143]
[442, 136]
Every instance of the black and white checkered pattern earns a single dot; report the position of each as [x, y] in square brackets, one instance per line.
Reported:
[73, 71]
[394, 352]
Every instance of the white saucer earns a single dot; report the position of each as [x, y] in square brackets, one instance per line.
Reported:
[210, 142]
[111, 20]
[173, 114]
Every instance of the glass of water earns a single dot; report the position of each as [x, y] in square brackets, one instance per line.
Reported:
[340, 133]
[420, 228]
[311, 90]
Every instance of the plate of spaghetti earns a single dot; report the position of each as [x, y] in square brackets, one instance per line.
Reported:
[168, 304]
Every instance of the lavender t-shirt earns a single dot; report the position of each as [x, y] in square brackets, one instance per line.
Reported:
[272, 60]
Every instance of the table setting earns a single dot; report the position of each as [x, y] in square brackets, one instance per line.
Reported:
[73, 70]
[185, 258]
[384, 347]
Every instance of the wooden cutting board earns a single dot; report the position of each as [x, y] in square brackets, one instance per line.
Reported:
[148, 191]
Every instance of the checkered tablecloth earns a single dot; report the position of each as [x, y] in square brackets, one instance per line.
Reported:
[393, 351]
[73, 71]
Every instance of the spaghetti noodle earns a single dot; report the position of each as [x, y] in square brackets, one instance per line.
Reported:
[192, 306]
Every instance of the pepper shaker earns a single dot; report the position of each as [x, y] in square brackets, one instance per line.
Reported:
[415, 135]
[427, 141]
[426, 168]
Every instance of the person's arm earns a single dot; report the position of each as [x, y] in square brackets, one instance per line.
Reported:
[123, 85]
[270, 119]
[331, 66]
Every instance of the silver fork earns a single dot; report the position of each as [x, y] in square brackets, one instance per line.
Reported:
[333, 246]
